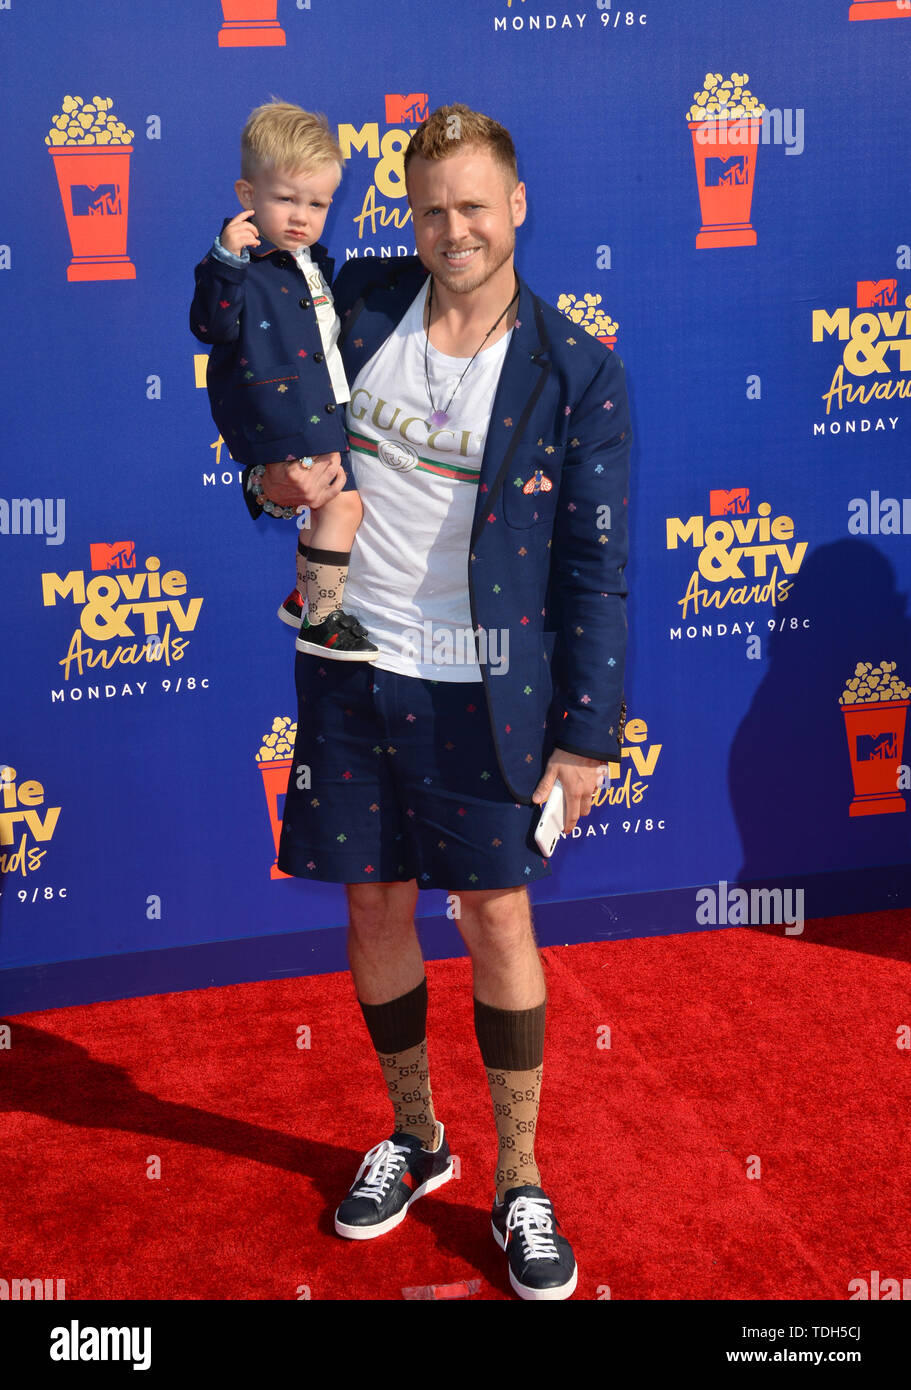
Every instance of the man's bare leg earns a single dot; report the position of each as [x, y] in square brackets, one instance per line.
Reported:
[383, 948]
[387, 968]
[496, 927]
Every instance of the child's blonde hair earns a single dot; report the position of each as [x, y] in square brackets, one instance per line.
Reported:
[282, 136]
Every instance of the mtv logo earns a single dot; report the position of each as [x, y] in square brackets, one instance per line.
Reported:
[113, 555]
[733, 501]
[876, 294]
[95, 200]
[407, 110]
[876, 746]
[720, 172]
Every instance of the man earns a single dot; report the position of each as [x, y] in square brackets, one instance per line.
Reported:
[490, 442]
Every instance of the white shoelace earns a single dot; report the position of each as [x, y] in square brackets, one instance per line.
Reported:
[382, 1166]
[532, 1213]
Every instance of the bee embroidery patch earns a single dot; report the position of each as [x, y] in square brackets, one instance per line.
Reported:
[539, 483]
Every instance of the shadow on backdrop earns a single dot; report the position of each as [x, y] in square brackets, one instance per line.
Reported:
[789, 773]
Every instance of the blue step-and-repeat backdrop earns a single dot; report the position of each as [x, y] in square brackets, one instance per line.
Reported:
[719, 190]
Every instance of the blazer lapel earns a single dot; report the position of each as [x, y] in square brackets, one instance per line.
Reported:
[525, 371]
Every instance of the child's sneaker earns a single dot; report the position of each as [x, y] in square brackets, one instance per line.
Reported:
[292, 610]
[340, 637]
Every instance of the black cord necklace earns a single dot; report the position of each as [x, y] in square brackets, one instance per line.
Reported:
[440, 417]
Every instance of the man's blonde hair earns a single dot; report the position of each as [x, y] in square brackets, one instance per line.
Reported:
[456, 129]
[279, 135]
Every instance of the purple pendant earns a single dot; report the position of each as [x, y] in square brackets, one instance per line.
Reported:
[439, 417]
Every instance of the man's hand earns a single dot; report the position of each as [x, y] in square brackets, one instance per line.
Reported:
[292, 485]
[579, 778]
[239, 232]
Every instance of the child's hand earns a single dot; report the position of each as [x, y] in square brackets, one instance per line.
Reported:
[239, 232]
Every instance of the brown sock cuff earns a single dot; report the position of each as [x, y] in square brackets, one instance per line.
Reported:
[510, 1039]
[400, 1024]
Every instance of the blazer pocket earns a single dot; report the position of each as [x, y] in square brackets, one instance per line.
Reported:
[532, 508]
[270, 403]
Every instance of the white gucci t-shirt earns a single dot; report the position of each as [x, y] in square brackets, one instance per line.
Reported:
[408, 575]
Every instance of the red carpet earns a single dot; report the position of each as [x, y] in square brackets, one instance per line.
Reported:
[724, 1045]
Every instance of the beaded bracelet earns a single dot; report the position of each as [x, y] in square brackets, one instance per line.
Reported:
[256, 487]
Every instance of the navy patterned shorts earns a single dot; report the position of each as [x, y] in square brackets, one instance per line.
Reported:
[396, 778]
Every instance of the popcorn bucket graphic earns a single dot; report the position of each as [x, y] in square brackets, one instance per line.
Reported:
[879, 9]
[725, 152]
[250, 24]
[586, 311]
[95, 190]
[876, 736]
[874, 701]
[275, 782]
[275, 756]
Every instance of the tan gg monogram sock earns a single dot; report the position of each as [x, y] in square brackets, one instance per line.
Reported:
[515, 1095]
[398, 1031]
[407, 1078]
[327, 571]
[301, 577]
[512, 1050]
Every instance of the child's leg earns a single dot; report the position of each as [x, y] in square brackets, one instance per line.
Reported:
[294, 606]
[326, 630]
[304, 537]
[329, 552]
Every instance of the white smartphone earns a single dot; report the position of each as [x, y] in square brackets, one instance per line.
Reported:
[552, 820]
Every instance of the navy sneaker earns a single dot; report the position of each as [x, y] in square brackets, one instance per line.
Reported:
[292, 610]
[541, 1261]
[393, 1175]
[341, 637]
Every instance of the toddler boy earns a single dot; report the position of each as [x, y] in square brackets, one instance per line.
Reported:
[275, 377]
